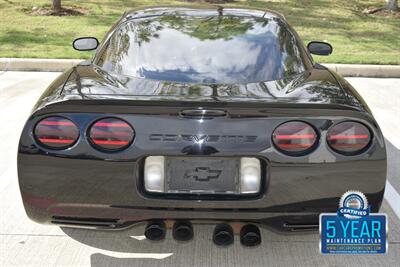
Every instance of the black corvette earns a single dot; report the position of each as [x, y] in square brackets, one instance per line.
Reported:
[198, 115]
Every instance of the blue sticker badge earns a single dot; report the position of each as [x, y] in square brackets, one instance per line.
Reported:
[353, 229]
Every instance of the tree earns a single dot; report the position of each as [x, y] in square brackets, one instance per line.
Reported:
[393, 5]
[56, 6]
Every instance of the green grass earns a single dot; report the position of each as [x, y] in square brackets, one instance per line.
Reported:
[356, 38]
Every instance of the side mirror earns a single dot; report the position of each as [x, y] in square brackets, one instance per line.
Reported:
[85, 44]
[319, 48]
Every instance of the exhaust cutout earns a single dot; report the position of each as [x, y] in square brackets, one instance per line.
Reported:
[250, 235]
[155, 231]
[223, 235]
[182, 231]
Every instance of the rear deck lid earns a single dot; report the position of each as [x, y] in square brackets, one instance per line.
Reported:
[315, 86]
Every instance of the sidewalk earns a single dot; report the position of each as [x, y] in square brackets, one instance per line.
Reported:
[348, 70]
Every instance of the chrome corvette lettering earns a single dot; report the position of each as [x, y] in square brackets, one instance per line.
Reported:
[203, 138]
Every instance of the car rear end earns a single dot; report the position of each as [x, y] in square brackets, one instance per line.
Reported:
[275, 164]
[169, 122]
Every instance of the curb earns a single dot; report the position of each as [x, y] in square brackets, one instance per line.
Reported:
[58, 65]
[360, 70]
[36, 64]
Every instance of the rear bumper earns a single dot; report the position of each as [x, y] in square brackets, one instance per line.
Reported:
[92, 190]
[109, 217]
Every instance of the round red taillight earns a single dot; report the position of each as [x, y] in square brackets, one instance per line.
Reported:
[349, 138]
[295, 138]
[56, 132]
[111, 134]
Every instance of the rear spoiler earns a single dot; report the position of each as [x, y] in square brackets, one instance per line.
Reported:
[168, 107]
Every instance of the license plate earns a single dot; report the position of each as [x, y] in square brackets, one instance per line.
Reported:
[202, 175]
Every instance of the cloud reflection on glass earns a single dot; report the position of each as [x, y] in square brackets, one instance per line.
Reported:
[211, 50]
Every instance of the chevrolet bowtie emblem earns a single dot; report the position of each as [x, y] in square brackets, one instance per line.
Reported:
[203, 174]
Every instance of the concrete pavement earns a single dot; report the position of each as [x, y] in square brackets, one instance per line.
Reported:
[23, 242]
